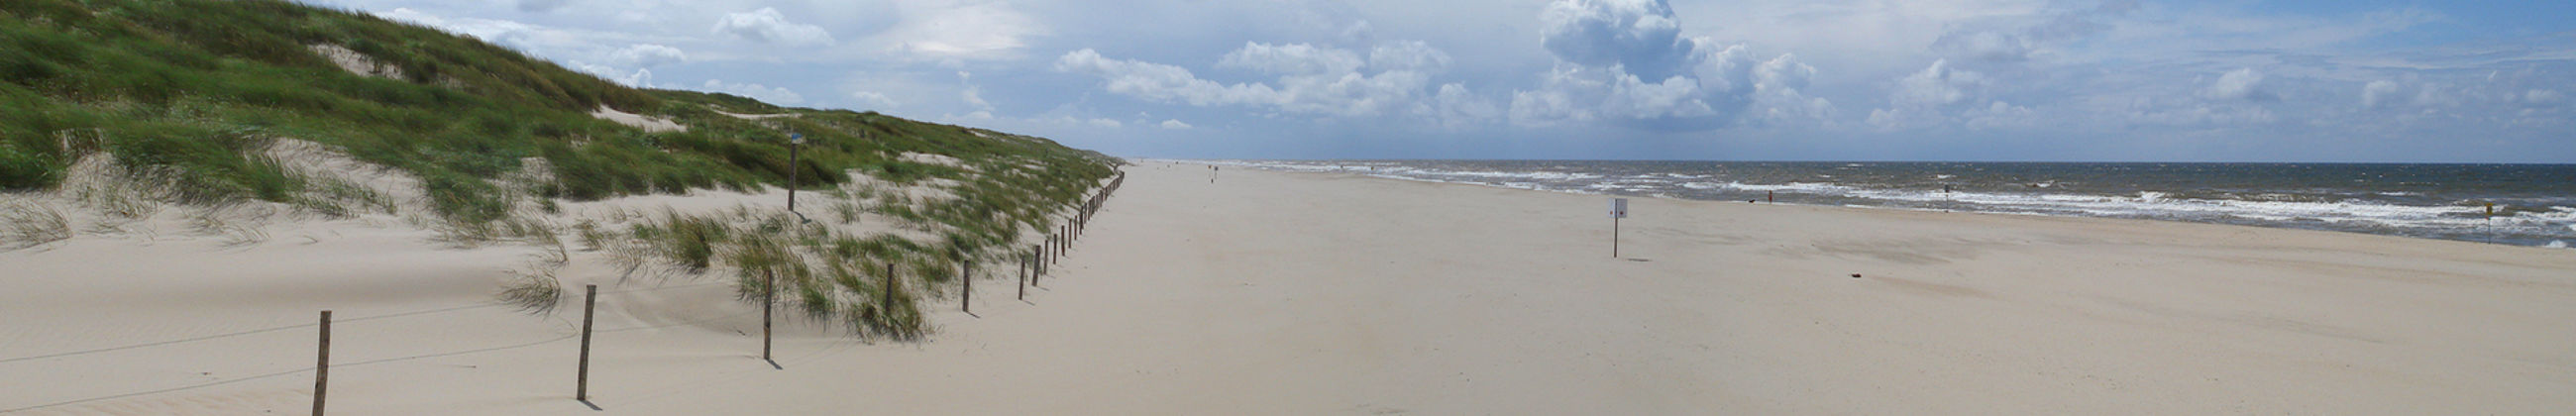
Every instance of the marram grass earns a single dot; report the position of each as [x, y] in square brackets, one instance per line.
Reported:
[183, 95]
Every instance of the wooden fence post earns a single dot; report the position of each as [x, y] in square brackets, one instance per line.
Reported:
[589, 305]
[966, 297]
[885, 293]
[1024, 277]
[322, 365]
[768, 301]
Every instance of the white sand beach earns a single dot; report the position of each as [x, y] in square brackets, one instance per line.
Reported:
[1300, 293]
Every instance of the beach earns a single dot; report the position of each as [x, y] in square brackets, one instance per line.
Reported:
[1240, 291]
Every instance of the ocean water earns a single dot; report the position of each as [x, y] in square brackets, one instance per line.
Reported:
[2534, 205]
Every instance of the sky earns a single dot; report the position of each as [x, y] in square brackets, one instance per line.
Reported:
[1945, 80]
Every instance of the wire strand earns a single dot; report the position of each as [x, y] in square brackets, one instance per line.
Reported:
[297, 326]
[236, 334]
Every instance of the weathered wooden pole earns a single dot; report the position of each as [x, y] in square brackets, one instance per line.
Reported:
[768, 301]
[966, 297]
[1039, 252]
[1024, 277]
[589, 305]
[885, 293]
[322, 365]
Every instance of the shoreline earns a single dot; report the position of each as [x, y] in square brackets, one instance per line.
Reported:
[1255, 164]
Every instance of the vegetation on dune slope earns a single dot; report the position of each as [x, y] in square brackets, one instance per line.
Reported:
[189, 91]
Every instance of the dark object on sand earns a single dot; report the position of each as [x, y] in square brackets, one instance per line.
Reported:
[1855, 275]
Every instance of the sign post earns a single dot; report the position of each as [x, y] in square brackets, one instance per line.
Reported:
[1618, 210]
[794, 141]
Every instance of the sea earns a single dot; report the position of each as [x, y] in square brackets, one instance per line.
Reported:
[2518, 204]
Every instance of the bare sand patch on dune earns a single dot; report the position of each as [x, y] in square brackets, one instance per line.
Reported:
[648, 123]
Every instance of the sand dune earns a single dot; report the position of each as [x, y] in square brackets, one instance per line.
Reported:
[1285, 293]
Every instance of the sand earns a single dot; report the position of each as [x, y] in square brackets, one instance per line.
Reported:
[1300, 293]
[649, 124]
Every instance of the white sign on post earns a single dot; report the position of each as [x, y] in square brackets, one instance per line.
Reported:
[1618, 209]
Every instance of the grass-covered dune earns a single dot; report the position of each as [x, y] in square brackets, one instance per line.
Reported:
[187, 96]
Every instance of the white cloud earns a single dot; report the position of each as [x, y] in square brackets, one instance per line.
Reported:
[2241, 84]
[1984, 45]
[767, 25]
[1159, 82]
[1411, 55]
[2151, 112]
[772, 95]
[1456, 108]
[2543, 98]
[1175, 125]
[512, 34]
[1626, 62]
[638, 78]
[1642, 36]
[2376, 94]
[2016, 38]
[956, 30]
[972, 95]
[1777, 86]
[2001, 115]
[873, 99]
[1936, 85]
[1057, 121]
[649, 55]
[1924, 98]
[541, 5]
[1293, 59]
[1311, 80]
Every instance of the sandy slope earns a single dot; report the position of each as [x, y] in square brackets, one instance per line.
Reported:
[1279, 293]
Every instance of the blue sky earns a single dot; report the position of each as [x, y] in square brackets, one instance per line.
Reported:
[1975, 80]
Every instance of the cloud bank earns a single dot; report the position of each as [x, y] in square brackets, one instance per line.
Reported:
[1768, 79]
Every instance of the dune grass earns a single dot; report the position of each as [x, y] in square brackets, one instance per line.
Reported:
[813, 269]
[188, 84]
[185, 96]
[535, 292]
[25, 225]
